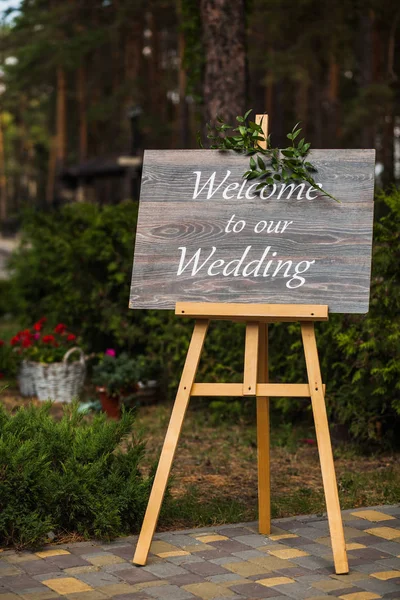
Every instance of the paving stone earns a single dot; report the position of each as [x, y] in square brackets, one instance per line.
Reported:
[206, 568]
[37, 567]
[182, 540]
[371, 554]
[41, 595]
[212, 554]
[329, 585]
[352, 589]
[252, 540]
[389, 563]
[233, 532]
[371, 515]
[116, 588]
[136, 575]
[125, 552]
[19, 557]
[248, 554]
[98, 579]
[245, 569]
[7, 570]
[67, 585]
[100, 560]
[311, 562]
[392, 595]
[186, 579]
[88, 595]
[133, 596]
[294, 572]
[164, 570]
[230, 546]
[19, 582]
[67, 561]
[183, 560]
[297, 591]
[389, 547]
[387, 533]
[225, 579]
[170, 592]
[229, 558]
[308, 533]
[374, 585]
[78, 570]
[52, 575]
[208, 591]
[122, 566]
[254, 590]
[85, 548]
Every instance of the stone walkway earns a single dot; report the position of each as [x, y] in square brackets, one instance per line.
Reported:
[225, 562]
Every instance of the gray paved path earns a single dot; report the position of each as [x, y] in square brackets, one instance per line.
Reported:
[226, 562]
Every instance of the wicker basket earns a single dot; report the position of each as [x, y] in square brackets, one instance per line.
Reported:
[26, 379]
[60, 381]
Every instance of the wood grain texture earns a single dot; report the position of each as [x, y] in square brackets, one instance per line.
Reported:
[338, 237]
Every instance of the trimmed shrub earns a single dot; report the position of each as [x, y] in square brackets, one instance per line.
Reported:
[75, 265]
[68, 476]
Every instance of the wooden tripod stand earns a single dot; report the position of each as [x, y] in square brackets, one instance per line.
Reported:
[255, 383]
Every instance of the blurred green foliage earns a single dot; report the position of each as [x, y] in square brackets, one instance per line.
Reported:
[75, 266]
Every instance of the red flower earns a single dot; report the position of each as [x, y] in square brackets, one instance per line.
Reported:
[38, 326]
[71, 337]
[1, 375]
[26, 342]
[15, 340]
[25, 333]
[60, 328]
[1, 343]
[48, 339]
[42, 320]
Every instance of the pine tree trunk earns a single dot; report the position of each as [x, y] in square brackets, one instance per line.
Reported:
[61, 125]
[82, 110]
[3, 181]
[224, 86]
[183, 106]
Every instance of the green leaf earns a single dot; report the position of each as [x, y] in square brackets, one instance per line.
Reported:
[243, 130]
[261, 163]
[252, 164]
[247, 113]
[240, 119]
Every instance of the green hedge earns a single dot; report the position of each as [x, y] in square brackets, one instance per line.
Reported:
[75, 266]
[68, 476]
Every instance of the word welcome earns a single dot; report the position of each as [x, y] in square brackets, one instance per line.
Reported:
[244, 190]
[239, 268]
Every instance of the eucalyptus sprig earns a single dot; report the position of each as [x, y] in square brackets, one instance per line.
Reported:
[271, 165]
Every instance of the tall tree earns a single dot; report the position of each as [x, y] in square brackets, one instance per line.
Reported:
[224, 38]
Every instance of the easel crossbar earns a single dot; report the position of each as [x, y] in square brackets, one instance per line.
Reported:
[284, 390]
[269, 313]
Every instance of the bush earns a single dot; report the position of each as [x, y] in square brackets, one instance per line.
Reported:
[79, 272]
[74, 266]
[68, 476]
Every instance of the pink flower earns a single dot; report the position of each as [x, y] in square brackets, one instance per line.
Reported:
[110, 352]
[37, 336]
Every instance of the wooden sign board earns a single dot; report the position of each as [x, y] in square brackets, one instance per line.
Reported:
[205, 235]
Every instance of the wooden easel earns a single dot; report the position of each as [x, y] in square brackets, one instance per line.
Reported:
[255, 383]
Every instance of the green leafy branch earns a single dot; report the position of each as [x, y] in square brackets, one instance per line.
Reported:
[271, 165]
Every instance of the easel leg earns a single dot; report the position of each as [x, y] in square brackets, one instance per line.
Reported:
[263, 437]
[170, 443]
[324, 449]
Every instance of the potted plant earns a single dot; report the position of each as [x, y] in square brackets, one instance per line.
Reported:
[116, 379]
[46, 369]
